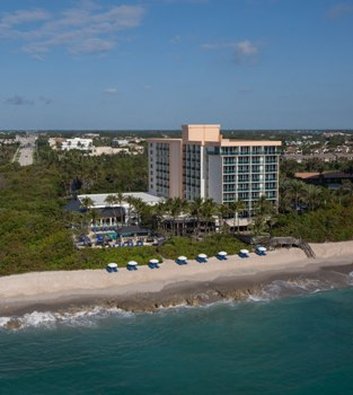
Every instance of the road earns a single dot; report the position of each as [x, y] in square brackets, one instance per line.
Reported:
[24, 155]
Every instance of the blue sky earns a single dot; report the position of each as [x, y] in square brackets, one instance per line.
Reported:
[157, 64]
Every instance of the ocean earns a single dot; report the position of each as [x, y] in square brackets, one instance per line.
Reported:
[301, 344]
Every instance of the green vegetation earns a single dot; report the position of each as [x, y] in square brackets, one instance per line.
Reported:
[35, 233]
[210, 246]
[7, 152]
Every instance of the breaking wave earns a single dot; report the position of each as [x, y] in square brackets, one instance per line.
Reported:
[52, 320]
[301, 286]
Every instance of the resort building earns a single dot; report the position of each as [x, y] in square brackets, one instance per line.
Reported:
[112, 215]
[77, 143]
[204, 164]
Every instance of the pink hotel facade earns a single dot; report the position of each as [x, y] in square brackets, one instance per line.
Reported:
[204, 164]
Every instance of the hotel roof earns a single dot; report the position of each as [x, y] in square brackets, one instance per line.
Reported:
[99, 198]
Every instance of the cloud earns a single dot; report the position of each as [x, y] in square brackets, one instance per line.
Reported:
[86, 29]
[110, 91]
[24, 17]
[244, 52]
[45, 100]
[340, 10]
[93, 45]
[176, 39]
[17, 100]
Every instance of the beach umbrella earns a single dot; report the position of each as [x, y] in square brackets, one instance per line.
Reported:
[112, 265]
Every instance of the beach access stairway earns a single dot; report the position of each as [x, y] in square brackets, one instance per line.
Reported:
[276, 242]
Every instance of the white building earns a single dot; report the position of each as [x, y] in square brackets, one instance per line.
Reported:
[111, 214]
[77, 143]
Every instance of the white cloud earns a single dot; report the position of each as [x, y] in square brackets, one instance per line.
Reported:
[340, 9]
[93, 45]
[110, 91]
[88, 28]
[244, 51]
[24, 17]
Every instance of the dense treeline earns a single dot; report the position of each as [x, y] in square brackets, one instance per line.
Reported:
[89, 174]
[7, 152]
[34, 231]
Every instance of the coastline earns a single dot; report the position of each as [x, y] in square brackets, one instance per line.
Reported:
[173, 285]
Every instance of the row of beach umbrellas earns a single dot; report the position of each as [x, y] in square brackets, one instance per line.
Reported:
[182, 260]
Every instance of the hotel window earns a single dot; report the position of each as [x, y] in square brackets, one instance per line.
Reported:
[270, 150]
[271, 177]
[271, 194]
[257, 150]
[244, 150]
[270, 168]
[271, 159]
[243, 160]
[243, 195]
[243, 187]
[229, 169]
[243, 177]
[243, 169]
[271, 185]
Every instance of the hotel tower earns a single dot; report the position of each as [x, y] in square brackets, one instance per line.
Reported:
[204, 164]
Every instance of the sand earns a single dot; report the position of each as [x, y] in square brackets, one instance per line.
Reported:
[39, 290]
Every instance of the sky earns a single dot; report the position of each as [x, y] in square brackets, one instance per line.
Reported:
[158, 64]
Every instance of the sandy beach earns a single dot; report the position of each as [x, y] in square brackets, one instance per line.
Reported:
[171, 284]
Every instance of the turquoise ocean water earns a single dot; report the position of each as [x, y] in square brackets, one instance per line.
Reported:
[296, 345]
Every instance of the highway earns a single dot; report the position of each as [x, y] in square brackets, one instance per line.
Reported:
[25, 154]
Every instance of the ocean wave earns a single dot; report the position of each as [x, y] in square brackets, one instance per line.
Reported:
[278, 289]
[52, 320]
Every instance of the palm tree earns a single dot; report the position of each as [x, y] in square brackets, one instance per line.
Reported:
[176, 206]
[120, 199]
[236, 208]
[313, 196]
[264, 207]
[195, 209]
[138, 205]
[87, 203]
[158, 211]
[264, 213]
[223, 212]
[208, 210]
[296, 192]
[111, 202]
